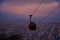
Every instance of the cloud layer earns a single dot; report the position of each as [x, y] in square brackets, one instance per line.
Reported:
[26, 9]
[22, 8]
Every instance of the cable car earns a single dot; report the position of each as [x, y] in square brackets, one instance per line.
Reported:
[32, 25]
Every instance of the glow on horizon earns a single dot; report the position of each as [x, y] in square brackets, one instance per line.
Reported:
[27, 9]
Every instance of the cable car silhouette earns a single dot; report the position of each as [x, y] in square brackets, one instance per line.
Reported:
[32, 25]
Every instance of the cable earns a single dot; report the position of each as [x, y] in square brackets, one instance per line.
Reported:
[37, 7]
[49, 14]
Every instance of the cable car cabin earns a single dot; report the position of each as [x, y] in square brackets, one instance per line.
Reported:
[32, 26]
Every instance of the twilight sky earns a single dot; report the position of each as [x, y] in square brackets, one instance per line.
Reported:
[18, 10]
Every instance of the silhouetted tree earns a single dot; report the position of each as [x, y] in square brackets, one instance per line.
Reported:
[2, 36]
[15, 37]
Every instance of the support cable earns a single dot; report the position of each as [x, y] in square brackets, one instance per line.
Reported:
[50, 14]
[37, 7]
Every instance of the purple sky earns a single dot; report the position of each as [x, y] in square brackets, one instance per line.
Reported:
[18, 10]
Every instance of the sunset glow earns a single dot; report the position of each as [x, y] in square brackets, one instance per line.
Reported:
[29, 8]
[25, 8]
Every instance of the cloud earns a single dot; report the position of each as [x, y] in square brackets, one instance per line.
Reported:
[58, 1]
[25, 8]
[30, 1]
